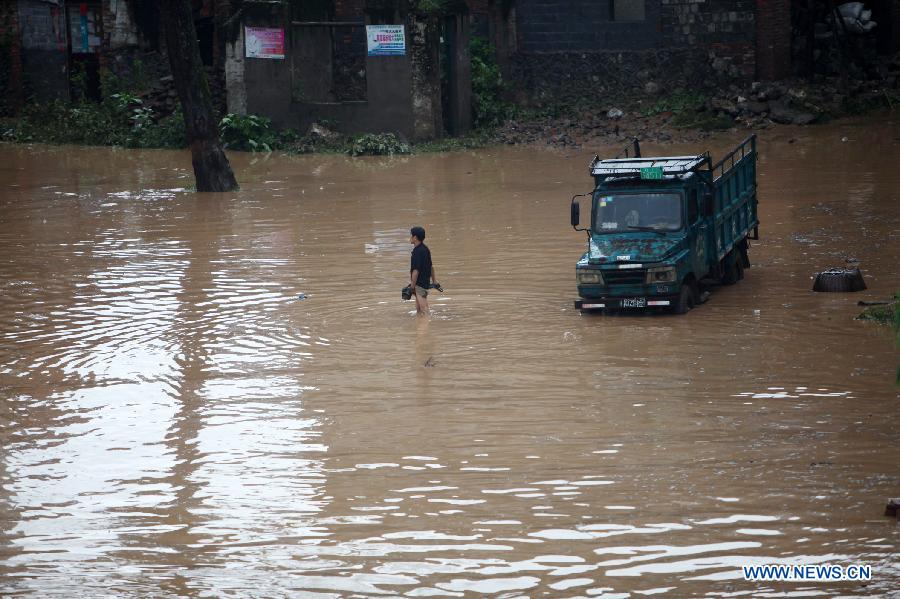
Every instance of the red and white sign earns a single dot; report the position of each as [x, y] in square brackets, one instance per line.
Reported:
[263, 42]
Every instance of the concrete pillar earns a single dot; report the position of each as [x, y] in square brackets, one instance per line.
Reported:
[424, 59]
[773, 39]
[235, 89]
[118, 26]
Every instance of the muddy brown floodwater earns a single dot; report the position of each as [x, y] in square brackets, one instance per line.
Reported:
[211, 395]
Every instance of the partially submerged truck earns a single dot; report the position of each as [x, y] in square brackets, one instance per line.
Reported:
[664, 228]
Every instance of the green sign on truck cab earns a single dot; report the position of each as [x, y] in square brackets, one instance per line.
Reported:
[663, 229]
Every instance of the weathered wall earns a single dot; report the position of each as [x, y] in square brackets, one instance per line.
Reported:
[773, 39]
[582, 26]
[425, 85]
[44, 51]
[401, 93]
[267, 81]
[570, 78]
[119, 30]
[235, 85]
[13, 93]
[727, 28]
[679, 43]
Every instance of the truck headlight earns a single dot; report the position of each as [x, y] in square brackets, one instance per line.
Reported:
[661, 274]
[589, 277]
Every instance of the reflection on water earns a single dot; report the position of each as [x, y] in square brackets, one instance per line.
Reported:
[223, 394]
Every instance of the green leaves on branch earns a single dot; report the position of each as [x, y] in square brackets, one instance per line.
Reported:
[377, 144]
[250, 133]
[120, 120]
[489, 109]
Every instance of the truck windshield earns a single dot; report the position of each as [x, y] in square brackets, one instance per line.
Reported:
[620, 212]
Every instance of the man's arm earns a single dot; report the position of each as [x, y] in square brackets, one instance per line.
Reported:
[433, 276]
[413, 277]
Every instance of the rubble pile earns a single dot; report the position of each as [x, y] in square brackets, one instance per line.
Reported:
[658, 116]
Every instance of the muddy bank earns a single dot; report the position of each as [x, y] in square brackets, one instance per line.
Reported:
[683, 117]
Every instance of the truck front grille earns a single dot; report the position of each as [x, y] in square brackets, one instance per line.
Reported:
[635, 276]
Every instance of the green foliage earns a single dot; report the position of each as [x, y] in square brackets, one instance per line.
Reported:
[883, 314]
[886, 314]
[436, 7]
[168, 132]
[677, 103]
[452, 144]
[689, 110]
[250, 133]
[377, 144]
[121, 120]
[488, 107]
[860, 104]
[705, 120]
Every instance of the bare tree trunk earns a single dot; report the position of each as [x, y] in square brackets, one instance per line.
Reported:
[211, 168]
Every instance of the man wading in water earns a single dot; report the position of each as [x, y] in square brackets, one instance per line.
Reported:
[421, 272]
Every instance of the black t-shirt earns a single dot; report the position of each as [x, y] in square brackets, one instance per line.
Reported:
[421, 261]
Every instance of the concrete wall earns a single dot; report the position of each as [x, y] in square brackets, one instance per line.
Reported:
[119, 30]
[44, 50]
[402, 93]
[582, 25]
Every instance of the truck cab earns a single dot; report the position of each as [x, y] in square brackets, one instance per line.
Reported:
[657, 229]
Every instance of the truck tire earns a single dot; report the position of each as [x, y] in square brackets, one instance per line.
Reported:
[733, 271]
[743, 257]
[685, 300]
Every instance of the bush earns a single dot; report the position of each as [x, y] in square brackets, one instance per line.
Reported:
[121, 120]
[168, 132]
[377, 144]
[678, 103]
[250, 133]
[488, 107]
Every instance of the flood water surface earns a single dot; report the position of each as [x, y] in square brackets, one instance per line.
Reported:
[216, 395]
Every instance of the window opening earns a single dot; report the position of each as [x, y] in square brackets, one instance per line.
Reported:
[628, 10]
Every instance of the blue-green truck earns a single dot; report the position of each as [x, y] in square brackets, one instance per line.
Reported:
[663, 229]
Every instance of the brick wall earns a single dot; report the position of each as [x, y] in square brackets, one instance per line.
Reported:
[582, 25]
[773, 39]
[727, 28]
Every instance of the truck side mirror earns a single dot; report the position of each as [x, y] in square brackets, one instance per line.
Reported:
[709, 204]
[575, 214]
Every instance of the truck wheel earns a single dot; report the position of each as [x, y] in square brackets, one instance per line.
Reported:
[685, 300]
[733, 270]
[743, 257]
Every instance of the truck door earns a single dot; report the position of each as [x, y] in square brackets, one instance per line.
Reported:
[698, 235]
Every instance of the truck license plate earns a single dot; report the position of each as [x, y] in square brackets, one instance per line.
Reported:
[634, 302]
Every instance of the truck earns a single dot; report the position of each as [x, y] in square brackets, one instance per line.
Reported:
[663, 230]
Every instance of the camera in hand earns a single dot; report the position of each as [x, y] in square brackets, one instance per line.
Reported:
[406, 293]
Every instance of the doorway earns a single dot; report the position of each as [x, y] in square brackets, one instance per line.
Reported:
[84, 23]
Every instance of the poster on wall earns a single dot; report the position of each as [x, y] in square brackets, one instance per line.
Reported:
[386, 40]
[263, 42]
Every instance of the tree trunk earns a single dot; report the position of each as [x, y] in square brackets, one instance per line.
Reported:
[211, 168]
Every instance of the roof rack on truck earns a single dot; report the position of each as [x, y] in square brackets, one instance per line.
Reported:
[629, 163]
[633, 167]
